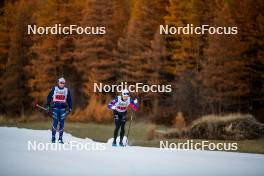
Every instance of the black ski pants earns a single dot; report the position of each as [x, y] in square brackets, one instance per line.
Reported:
[120, 122]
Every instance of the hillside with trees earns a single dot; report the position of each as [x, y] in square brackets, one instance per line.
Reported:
[209, 74]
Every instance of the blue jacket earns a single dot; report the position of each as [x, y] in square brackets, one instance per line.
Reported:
[59, 105]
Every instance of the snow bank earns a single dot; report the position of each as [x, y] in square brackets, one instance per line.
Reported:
[16, 159]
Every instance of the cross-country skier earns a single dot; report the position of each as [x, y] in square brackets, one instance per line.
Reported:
[119, 106]
[58, 99]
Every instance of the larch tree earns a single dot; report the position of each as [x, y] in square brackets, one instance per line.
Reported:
[144, 20]
[4, 47]
[186, 53]
[94, 54]
[249, 18]
[224, 74]
[15, 93]
[54, 52]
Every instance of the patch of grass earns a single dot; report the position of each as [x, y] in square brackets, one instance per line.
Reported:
[97, 132]
[252, 146]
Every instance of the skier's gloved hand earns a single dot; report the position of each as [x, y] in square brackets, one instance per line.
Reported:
[113, 108]
[135, 101]
[47, 108]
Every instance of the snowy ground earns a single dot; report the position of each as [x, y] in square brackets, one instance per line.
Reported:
[16, 159]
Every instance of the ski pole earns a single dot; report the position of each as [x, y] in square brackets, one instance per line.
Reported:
[131, 118]
[40, 107]
[48, 111]
[45, 109]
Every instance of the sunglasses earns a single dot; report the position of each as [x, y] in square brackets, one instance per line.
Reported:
[126, 94]
[62, 82]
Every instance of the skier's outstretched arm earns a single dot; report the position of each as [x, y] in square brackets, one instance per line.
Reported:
[133, 104]
[111, 105]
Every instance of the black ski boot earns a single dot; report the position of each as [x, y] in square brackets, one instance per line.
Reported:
[121, 144]
[53, 139]
[114, 143]
[61, 141]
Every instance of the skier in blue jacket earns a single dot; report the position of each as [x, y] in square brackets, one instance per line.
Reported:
[58, 100]
[119, 105]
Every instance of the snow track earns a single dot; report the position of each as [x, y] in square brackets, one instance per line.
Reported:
[16, 159]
